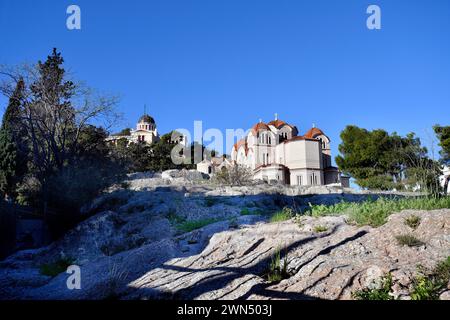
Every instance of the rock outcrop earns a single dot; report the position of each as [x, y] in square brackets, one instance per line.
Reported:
[138, 245]
[328, 265]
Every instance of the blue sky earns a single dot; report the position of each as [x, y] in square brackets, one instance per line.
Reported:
[231, 62]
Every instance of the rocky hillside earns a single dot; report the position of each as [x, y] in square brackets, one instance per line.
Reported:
[174, 236]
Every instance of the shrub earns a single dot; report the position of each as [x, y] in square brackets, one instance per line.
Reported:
[237, 175]
[56, 267]
[283, 215]
[381, 293]
[413, 221]
[408, 240]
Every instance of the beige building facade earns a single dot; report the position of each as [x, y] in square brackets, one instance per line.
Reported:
[145, 131]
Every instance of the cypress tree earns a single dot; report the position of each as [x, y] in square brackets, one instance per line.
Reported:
[12, 159]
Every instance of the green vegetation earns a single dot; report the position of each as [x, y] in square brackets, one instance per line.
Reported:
[12, 148]
[443, 134]
[375, 212]
[54, 169]
[188, 226]
[174, 218]
[413, 221]
[283, 215]
[429, 285]
[248, 212]
[408, 240]
[381, 293]
[124, 132]
[320, 229]
[383, 161]
[277, 269]
[237, 175]
[56, 267]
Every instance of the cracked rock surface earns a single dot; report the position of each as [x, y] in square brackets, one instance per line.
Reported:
[132, 247]
[328, 265]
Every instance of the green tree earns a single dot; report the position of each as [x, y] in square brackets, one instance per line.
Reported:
[443, 134]
[379, 160]
[12, 145]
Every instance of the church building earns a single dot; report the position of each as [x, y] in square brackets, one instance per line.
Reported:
[275, 151]
[145, 131]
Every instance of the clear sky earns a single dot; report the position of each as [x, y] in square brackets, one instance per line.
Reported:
[232, 62]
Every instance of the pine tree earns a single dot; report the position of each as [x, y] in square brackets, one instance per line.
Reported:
[12, 158]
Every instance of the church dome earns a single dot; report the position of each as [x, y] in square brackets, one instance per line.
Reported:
[146, 119]
[313, 133]
[277, 123]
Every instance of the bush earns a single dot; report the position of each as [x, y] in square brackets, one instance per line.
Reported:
[237, 175]
[375, 212]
